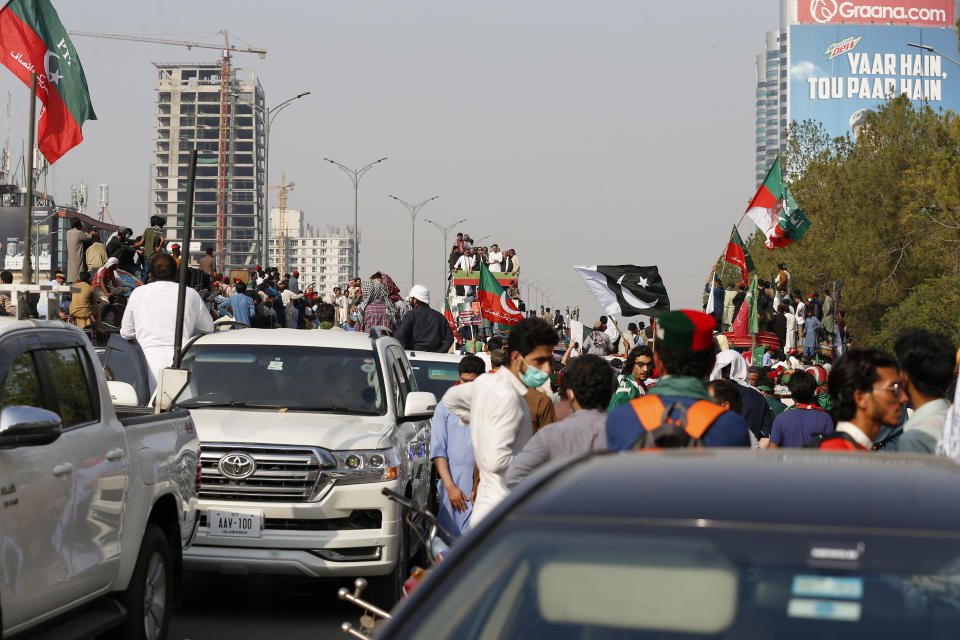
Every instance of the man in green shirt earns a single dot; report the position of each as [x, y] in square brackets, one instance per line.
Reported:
[153, 241]
[637, 369]
[772, 401]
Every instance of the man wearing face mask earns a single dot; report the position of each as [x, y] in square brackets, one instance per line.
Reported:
[495, 407]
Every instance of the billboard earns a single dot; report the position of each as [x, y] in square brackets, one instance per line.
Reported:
[838, 73]
[931, 13]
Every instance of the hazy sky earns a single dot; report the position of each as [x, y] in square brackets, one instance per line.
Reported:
[575, 132]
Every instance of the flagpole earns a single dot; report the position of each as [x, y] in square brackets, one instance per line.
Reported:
[26, 271]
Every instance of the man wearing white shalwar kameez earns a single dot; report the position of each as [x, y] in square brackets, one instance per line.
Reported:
[151, 317]
[497, 411]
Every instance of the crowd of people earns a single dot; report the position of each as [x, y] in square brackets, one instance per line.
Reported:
[516, 407]
[802, 322]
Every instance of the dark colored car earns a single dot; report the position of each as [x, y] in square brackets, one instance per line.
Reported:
[707, 544]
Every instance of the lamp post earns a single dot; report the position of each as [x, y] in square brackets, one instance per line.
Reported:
[413, 209]
[445, 231]
[269, 113]
[930, 49]
[355, 175]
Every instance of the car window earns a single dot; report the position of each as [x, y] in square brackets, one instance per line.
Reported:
[563, 579]
[72, 385]
[435, 377]
[21, 385]
[280, 376]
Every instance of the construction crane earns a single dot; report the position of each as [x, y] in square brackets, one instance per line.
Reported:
[225, 75]
[282, 222]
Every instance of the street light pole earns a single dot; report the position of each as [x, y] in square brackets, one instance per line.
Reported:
[413, 209]
[269, 113]
[445, 231]
[930, 49]
[355, 175]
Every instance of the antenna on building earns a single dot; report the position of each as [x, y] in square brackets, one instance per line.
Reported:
[103, 199]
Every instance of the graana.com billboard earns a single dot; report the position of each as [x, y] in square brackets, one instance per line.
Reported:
[928, 13]
[838, 73]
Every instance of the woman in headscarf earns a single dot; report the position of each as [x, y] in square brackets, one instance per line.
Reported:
[394, 292]
[377, 310]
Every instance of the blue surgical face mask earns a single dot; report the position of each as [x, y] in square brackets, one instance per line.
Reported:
[533, 377]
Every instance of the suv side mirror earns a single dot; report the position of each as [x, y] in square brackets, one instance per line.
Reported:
[122, 393]
[28, 427]
[171, 384]
[419, 406]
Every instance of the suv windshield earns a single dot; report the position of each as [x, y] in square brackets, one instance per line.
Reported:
[291, 377]
[582, 580]
[435, 377]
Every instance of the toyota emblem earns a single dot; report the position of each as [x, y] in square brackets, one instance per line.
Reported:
[237, 466]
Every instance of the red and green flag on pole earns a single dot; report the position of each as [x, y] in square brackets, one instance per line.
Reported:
[775, 212]
[494, 304]
[34, 40]
[746, 322]
[737, 254]
[448, 314]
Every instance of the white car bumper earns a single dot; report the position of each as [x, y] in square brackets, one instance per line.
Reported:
[334, 537]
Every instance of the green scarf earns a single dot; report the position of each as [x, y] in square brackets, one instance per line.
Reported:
[681, 386]
[326, 325]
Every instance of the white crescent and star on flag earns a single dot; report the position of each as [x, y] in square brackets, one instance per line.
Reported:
[633, 300]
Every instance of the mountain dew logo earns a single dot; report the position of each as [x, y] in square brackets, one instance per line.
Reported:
[845, 45]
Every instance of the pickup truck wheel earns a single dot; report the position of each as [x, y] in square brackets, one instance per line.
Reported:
[150, 594]
[386, 591]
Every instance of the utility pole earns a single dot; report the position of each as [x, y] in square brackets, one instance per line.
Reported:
[355, 175]
[445, 231]
[413, 209]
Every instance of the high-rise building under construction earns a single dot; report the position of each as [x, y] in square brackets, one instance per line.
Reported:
[189, 116]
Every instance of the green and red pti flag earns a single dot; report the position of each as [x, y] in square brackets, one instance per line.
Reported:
[775, 212]
[746, 322]
[737, 254]
[32, 38]
[448, 314]
[494, 304]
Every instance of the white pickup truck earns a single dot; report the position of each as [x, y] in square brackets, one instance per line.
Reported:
[299, 433]
[96, 505]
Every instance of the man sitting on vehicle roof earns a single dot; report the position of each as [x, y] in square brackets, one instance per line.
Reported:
[684, 358]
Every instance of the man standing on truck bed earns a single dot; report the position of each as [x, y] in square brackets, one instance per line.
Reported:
[424, 329]
[151, 316]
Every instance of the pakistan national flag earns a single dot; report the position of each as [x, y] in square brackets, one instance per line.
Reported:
[33, 39]
[626, 289]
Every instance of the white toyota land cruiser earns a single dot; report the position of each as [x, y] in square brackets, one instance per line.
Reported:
[299, 433]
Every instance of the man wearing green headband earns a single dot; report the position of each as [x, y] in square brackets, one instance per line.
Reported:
[684, 358]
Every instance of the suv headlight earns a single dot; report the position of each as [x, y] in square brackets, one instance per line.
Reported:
[374, 465]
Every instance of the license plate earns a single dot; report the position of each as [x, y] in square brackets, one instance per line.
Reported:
[234, 523]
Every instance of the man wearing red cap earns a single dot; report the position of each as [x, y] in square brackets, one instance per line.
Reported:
[684, 357]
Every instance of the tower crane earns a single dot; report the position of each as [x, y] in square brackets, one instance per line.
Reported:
[225, 74]
[283, 187]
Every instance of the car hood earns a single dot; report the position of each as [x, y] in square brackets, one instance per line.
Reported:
[327, 430]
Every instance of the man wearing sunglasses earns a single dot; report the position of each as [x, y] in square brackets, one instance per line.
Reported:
[867, 394]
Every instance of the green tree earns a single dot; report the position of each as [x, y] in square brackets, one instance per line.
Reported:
[885, 211]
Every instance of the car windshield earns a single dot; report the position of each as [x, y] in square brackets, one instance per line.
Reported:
[435, 377]
[291, 377]
[611, 581]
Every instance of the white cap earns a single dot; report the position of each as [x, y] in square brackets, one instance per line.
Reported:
[110, 262]
[421, 293]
